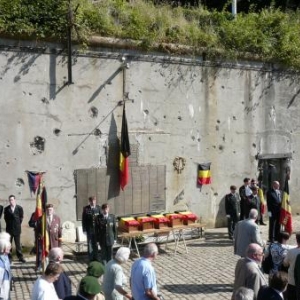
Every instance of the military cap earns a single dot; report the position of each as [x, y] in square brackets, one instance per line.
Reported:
[95, 269]
[89, 285]
[49, 205]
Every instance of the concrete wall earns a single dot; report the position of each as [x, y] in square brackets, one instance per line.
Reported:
[225, 114]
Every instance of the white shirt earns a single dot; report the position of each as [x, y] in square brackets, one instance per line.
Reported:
[43, 290]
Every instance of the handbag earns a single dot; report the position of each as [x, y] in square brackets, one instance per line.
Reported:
[267, 263]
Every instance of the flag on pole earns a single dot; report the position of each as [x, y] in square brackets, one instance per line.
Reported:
[124, 152]
[204, 174]
[34, 179]
[286, 210]
[42, 246]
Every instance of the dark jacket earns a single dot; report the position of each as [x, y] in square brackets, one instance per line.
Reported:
[232, 205]
[63, 286]
[14, 219]
[273, 202]
[267, 293]
[107, 232]
[89, 217]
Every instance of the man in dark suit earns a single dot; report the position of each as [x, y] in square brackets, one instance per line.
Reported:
[274, 206]
[278, 284]
[232, 209]
[107, 234]
[90, 215]
[244, 199]
[13, 216]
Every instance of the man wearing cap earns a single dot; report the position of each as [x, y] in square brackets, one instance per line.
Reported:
[232, 208]
[13, 216]
[89, 223]
[107, 234]
[53, 227]
[88, 289]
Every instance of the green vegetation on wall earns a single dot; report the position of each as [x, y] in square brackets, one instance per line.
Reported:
[269, 35]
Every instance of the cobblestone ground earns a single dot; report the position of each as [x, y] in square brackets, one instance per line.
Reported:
[205, 272]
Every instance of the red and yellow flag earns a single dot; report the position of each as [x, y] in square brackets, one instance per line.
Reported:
[204, 174]
[286, 210]
[124, 152]
[39, 208]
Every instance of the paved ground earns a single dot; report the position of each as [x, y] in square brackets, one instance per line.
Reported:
[205, 272]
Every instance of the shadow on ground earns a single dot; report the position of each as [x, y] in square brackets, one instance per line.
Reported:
[198, 288]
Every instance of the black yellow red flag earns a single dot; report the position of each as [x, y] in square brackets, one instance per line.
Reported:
[286, 210]
[124, 152]
[204, 175]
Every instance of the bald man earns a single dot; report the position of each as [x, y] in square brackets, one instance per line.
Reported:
[274, 206]
[247, 270]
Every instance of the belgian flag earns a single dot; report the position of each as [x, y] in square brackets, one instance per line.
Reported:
[204, 174]
[286, 210]
[124, 152]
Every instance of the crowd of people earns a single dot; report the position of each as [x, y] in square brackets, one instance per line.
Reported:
[250, 280]
[105, 278]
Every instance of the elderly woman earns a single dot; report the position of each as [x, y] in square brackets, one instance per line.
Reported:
[43, 288]
[114, 278]
[5, 274]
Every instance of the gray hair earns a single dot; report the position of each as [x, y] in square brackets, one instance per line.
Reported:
[4, 236]
[56, 254]
[122, 254]
[150, 250]
[4, 245]
[253, 214]
[244, 293]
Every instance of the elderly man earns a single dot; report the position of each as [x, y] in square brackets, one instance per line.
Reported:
[244, 198]
[274, 206]
[143, 277]
[247, 232]
[247, 270]
[243, 293]
[53, 227]
[63, 284]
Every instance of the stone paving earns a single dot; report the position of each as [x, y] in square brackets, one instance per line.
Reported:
[205, 272]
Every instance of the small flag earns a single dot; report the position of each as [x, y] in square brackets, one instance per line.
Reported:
[204, 174]
[124, 152]
[286, 210]
[34, 179]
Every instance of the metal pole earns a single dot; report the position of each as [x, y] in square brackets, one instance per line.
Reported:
[234, 8]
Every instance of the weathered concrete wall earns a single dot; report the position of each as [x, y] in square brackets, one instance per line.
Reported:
[225, 115]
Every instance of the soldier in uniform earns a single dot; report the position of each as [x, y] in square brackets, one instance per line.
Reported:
[232, 208]
[53, 227]
[107, 234]
[89, 222]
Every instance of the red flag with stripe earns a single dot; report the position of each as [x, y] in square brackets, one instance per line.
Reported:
[124, 152]
[286, 210]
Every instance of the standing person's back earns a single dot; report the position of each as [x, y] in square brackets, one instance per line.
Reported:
[143, 277]
[289, 261]
[246, 232]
